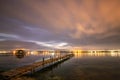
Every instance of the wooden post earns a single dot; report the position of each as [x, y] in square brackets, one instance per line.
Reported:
[60, 57]
[43, 61]
[50, 60]
[33, 70]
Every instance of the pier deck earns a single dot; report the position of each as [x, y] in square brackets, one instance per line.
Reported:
[32, 68]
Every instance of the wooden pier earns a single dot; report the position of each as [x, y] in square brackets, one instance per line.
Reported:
[33, 67]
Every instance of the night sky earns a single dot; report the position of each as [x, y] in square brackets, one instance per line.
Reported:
[60, 24]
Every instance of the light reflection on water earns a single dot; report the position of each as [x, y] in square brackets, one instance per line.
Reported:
[83, 66]
[13, 61]
[79, 55]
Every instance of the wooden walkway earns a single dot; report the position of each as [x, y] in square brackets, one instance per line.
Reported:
[33, 67]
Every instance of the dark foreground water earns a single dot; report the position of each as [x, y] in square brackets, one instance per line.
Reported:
[10, 62]
[83, 66]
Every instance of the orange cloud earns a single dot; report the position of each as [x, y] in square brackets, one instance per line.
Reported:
[72, 20]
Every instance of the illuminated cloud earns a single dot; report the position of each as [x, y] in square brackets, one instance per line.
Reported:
[53, 45]
[88, 24]
[2, 39]
[9, 35]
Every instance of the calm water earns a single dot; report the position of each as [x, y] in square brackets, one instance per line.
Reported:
[10, 62]
[83, 66]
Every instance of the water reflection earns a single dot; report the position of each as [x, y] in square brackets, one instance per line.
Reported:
[84, 66]
[103, 54]
[21, 57]
[50, 76]
[20, 54]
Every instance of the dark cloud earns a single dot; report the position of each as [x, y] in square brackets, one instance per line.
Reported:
[89, 24]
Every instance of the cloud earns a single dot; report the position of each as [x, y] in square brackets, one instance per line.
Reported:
[53, 45]
[77, 23]
[28, 44]
[13, 44]
[9, 35]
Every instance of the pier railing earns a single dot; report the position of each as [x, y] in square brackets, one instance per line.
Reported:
[17, 72]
